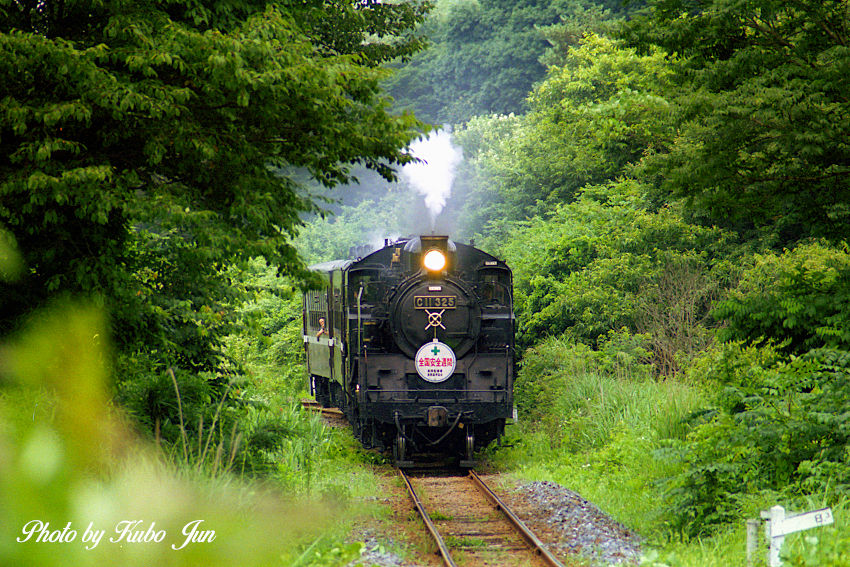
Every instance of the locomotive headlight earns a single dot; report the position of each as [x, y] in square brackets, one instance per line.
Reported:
[434, 261]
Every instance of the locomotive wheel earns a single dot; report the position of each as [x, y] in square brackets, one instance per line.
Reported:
[399, 447]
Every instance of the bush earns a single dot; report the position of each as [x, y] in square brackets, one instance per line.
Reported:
[149, 393]
[797, 299]
[778, 424]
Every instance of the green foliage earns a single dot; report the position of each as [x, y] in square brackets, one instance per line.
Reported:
[732, 119]
[374, 31]
[147, 146]
[372, 220]
[143, 148]
[66, 457]
[483, 59]
[279, 440]
[779, 425]
[182, 319]
[578, 397]
[591, 420]
[10, 258]
[269, 314]
[797, 298]
[634, 163]
[606, 261]
[825, 546]
[674, 310]
[590, 121]
[475, 202]
[762, 142]
[325, 552]
[583, 20]
[485, 56]
[721, 550]
[616, 440]
[163, 402]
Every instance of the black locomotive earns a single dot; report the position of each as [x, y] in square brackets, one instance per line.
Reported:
[414, 342]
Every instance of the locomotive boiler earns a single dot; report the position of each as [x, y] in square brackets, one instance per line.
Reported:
[414, 342]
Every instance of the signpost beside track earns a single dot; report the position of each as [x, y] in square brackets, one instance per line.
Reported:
[778, 525]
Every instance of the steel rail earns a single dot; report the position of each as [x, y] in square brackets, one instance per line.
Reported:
[432, 529]
[537, 546]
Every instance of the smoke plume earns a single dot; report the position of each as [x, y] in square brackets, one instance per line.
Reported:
[434, 176]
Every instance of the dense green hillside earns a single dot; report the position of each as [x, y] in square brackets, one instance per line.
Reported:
[675, 195]
[484, 56]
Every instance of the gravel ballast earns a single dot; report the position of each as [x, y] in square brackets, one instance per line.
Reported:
[566, 522]
[570, 524]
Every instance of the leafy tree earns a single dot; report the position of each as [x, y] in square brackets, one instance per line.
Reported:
[376, 31]
[583, 20]
[764, 141]
[604, 261]
[597, 255]
[146, 145]
[128, 119]
[475, 201]
[484, 56]
[590, 121]
[797, 299]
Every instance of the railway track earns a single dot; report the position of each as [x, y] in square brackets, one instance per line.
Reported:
[470, 525]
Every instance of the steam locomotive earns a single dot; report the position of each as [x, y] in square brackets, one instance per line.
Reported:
[414, 342]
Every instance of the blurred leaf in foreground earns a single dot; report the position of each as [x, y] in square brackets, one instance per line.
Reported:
[70, 469]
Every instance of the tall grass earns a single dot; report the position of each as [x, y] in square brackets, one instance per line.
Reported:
[69, 459]
[595, 406]
[604, 442]
[593, 419]
[582, 397]
[597, 422]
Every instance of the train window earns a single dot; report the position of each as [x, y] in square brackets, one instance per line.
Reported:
[373, 287]
[493, 287]
[317, 307]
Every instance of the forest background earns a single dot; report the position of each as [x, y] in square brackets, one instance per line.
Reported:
[668, 181]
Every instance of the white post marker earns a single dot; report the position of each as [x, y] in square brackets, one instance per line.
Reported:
[752, 540]
[778, 525]
[777, 536]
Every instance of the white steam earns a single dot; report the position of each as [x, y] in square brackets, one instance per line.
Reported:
[434, 176]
